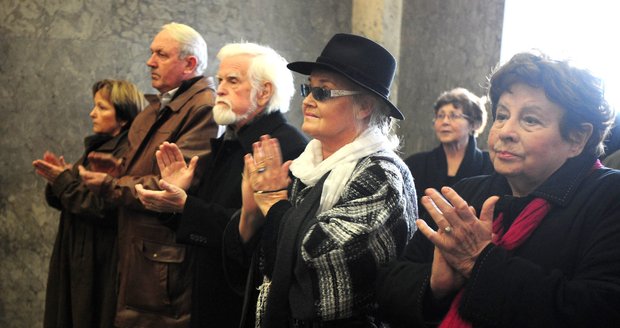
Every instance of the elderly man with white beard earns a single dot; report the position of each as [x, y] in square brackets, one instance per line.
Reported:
[255, 88]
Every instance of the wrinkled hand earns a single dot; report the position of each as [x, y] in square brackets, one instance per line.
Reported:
[105, 163]
[172, 165]
[265, 180]
[251, 218]
[51, 166]
[268, 176]
[444, 279]
[170, 199]
[468, 235]
[93, 180]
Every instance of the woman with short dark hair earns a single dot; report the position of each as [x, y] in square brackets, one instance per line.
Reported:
[536, 244]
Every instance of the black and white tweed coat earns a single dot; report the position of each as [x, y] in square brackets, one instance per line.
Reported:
[323, 267]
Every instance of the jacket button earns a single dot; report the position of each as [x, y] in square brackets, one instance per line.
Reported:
[154, 255]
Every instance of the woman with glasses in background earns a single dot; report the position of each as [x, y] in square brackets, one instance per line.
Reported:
[459, 117]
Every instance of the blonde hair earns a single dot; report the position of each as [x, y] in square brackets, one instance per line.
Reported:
[127, 100]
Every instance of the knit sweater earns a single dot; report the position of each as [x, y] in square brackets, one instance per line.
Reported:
[322, 267]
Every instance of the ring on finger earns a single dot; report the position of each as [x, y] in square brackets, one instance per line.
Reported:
[261, 169]
[448, 229]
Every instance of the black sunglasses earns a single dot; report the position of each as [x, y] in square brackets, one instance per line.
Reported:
[321, 94]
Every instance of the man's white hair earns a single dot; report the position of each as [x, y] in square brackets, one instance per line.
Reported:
[266, 66]
[191, 43]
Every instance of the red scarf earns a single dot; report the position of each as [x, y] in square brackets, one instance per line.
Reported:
[517, 234]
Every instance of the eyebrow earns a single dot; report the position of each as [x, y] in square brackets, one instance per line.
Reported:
[229, 75]
[323, 80]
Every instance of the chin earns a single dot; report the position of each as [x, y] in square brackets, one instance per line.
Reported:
[306, 128]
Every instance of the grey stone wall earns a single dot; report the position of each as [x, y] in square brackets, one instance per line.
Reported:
[52, 51]
[444, 44]
[50, 54]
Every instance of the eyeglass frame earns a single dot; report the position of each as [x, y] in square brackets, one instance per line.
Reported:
[322, 94]
[451, 117]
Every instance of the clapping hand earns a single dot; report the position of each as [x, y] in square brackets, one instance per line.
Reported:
[460, 237]
[105, 163]
[172, 165]
[51, 166]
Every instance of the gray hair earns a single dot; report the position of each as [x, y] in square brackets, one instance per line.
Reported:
[266, 66]
[191, 43]
[380, 118]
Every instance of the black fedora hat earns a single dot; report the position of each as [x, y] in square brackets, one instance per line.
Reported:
[361, 60]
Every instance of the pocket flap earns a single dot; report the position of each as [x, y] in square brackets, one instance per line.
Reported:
[163, 253]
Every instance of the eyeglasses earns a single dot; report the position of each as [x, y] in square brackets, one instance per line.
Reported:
[321, 94]
[451, 117]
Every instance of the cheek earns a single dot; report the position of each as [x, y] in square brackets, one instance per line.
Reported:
[492, 138]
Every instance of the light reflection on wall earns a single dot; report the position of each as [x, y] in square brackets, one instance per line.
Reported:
[584, 32]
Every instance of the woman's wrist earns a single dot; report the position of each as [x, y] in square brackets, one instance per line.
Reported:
[248, 224]
[265, 200]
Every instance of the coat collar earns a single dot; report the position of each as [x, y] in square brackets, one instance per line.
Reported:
[263, 124]
[472, 161]
[560, 188]
[103, 142]
[198, 83]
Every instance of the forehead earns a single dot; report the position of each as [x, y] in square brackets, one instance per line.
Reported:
[234, 66]
[164, 41]
[523, 95]
[102, 94]
[447, 108]
[326, 76]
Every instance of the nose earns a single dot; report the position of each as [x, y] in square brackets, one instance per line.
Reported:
[221, 90]
[508, 130]
[308, 101]
[151, 61]
[93, 112]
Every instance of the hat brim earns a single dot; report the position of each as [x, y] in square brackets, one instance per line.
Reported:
[306, 68]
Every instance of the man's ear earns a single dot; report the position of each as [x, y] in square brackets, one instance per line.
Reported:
[580, 137]
[191, 62]
[264, 95]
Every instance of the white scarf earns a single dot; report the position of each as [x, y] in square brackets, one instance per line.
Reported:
[309, 167]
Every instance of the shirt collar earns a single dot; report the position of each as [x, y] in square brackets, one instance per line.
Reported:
[166, 97]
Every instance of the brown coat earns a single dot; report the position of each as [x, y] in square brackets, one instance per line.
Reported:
[154, 271]
[81, 280]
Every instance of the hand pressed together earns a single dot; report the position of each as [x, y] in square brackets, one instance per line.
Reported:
[459, 239]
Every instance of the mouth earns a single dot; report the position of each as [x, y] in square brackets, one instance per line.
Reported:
[308, 114]
[504, 154]
[223, 102]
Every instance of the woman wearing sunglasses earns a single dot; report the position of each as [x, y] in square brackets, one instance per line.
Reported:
[459, 118]
[320, 238]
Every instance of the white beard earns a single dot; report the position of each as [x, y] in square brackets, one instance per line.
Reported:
[224, 115]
